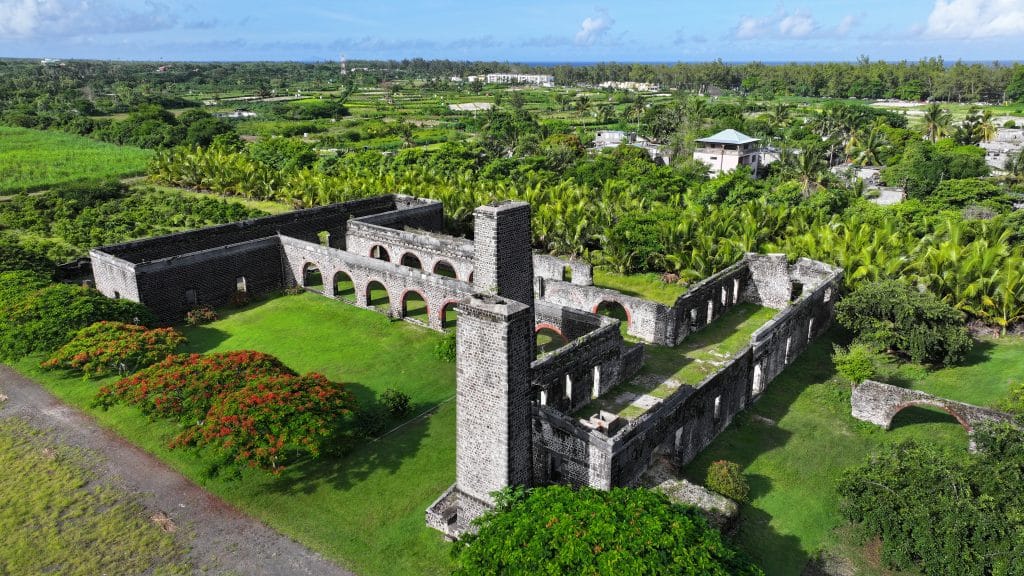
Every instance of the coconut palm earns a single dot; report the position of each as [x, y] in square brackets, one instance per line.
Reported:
[936, 122]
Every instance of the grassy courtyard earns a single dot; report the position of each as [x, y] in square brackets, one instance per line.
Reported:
[799, 437]
[363, 509]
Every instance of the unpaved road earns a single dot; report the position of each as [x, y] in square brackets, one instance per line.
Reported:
[225, 539]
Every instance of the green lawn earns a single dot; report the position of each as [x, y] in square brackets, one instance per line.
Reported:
[58, 519]
[647, 286]
[799, 437]
[365, 509]
[36, 159]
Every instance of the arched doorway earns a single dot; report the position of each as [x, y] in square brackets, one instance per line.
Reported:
[415, 306]
[449, 317]
[410, 260]
[443, 268]
[377, 296]
[380, 253]
[311, 277]
[758, 385]
[548, 339]
[931, 421]
[615, 310]
[344, 288]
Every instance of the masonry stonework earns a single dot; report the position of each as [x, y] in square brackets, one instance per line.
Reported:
[514, 411]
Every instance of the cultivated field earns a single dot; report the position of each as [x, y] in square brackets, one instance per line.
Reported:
[35, 160]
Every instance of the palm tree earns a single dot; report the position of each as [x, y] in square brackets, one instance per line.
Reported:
[867, 148]
[808, 167]
[936, 122]
[987, 128]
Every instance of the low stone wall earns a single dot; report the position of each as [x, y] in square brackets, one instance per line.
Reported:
[647, 320]
[439, 292]
[569, 322]
[707, 300]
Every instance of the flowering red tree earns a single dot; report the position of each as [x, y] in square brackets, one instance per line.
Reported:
[246, 406]
[105, 347]
[271, 416]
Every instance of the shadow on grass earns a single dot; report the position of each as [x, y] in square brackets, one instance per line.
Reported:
[913, 415]
[359, 458]
[202, 339]
[981, 352]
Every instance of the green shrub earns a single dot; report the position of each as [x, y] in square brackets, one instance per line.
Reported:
[397, 402]
[371, 421]
[856, 363]
[561, 530]
[1014, 401]
[727, 479]
[42, 319]
[1010, 124]
[897, 317]
[444, 350]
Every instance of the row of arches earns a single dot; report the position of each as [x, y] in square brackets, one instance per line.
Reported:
[410, 260]
[412, 303]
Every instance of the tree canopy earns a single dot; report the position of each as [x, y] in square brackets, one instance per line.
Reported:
[561, 530]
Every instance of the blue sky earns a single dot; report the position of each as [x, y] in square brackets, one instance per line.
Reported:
[523, 30]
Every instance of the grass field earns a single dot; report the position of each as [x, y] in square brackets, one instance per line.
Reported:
[799, 437]
[57, 520]
[648, 286]
[35, 160]
[364, 509]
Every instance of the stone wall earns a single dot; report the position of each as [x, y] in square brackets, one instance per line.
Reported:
[429, 249]
[502, 258]
[707, 300]
[113, 276]
[648, 321]
[170, 287]
[302, 224]
[438, 292]
[555, 268]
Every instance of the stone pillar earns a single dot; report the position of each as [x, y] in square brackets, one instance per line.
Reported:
[503, 260]
[495, 348]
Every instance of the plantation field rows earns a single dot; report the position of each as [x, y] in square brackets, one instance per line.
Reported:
[36, 160]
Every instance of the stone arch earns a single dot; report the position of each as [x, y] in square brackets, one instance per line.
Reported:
[960, 418]
[449, 316]
[414, 305]
[312, 276]
[377, 295]
[344, 287]
[379, 252]
[410, 260]
[445, 268]
[548, 338]
[614, 309]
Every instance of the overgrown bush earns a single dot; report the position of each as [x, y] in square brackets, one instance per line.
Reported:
[397, 402]
[371, 421]
[727, 479]
[944, 512]
[855, 363]
[561, 530]
[240, 299]
[444, 350]
[106, 347]
[200, 315]
[897, 317]
[42, 317]
[1014, 401]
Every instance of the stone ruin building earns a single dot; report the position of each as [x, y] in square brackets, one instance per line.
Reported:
[521, 419]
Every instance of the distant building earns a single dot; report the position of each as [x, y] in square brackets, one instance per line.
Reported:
[546, 80]
[237, 114]
[613, 138]
[727, 150]
[634, 86]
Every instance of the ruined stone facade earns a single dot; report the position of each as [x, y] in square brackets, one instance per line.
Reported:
[514, 410]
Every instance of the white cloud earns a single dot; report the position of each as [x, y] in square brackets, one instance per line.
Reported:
[49, 18]
[797, 24]
[847, 24]
[976, 18]
[593, 28]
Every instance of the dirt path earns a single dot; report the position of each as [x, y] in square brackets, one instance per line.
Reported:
[226, 540]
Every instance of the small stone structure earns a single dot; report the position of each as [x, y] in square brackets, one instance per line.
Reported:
[878, 403]
[515, 423]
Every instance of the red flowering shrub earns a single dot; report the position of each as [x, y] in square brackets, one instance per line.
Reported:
[106, 346]
[200, 315]
[247, 406]
[183, 386]
[255, 425]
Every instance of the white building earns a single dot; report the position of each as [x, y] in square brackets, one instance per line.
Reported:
[727, 150]
[613, 138]
[634, 86]
[545, 80]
